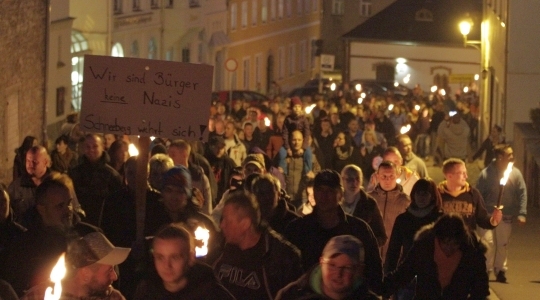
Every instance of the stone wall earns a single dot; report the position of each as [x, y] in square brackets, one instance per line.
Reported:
[23, 25]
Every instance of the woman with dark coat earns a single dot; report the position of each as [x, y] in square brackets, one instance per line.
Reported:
[448, 262]
[345, 153]
[425, 209]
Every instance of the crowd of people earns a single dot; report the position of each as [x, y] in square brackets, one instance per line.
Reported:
[301, 198]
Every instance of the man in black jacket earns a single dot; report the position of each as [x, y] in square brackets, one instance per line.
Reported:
[311, 232]
[256, 262]
[176, 273]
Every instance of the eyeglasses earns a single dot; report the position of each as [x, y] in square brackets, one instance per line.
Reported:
[345, 269]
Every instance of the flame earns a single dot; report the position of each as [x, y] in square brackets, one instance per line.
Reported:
[202, 234]
[398, 181]
[405, 129]
[309, 108]
[133, 151]
[360, 100]
[507, 172]
[267, 121]
[57, 274]
[391, 106]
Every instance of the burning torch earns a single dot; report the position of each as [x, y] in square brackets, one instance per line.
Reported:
[201, 236]
[503, 181]
[57, 274]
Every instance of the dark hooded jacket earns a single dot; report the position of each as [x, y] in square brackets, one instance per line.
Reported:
[469, 280]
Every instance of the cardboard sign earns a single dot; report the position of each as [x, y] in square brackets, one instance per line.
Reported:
[146, 97]
[461, 78]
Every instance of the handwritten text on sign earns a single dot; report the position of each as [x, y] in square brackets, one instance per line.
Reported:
[146, 97]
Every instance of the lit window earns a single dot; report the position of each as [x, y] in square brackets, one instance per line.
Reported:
[152, 48]
[79, 47]
[264, 11]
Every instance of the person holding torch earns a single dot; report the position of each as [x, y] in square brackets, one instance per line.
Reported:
[461, 198]
[502, 187]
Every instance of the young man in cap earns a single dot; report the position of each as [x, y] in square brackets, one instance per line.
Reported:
[178, 275]
[180, 205]
[90, 272]
[339, 274]
[311, 232]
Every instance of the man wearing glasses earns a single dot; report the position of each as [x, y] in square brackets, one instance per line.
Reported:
[339, 274]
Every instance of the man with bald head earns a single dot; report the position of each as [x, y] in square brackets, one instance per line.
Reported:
[23, 189]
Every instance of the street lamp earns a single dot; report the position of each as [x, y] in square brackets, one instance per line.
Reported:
[465, 27]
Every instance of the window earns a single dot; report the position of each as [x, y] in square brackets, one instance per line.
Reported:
[365, 8]
[79, 47]
[288, 6]
[280, 9]
[299, 7]
[170, 3]
[292, 59]
[154, 4]
[136, 5]
[272, 10]
[338, 7]
[117, 50]
[134, 49]
[185, 54]
[258, 69]
[245, 73]
[303, 56]
[312, 54]
[234, 15]
[194, 4]
[169, 54]
[254, 12]
[117, 6]
[315, 5]
[244, 14]
[264, 11]
[152, 48]
[307, 6]
[281, 62]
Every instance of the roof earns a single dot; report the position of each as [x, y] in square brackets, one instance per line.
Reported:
[421, 21]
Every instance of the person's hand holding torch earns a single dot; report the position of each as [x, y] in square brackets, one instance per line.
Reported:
[496, 217]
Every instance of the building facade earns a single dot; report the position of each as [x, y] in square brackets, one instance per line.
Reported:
[23, 53]
[512, 65]
[339, 17]
[271, 40]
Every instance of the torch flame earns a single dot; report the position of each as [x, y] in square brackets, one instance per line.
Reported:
[504, 179]
[267, 121]
[202, 234]
[310, 108]
[57, 274]
[132, 149]
[405, 129]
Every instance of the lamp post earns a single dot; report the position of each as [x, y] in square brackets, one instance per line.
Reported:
[465, 27]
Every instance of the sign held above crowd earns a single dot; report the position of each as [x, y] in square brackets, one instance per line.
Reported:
[146, 97]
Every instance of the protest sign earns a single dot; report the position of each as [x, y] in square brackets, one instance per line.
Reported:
[146, 97]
